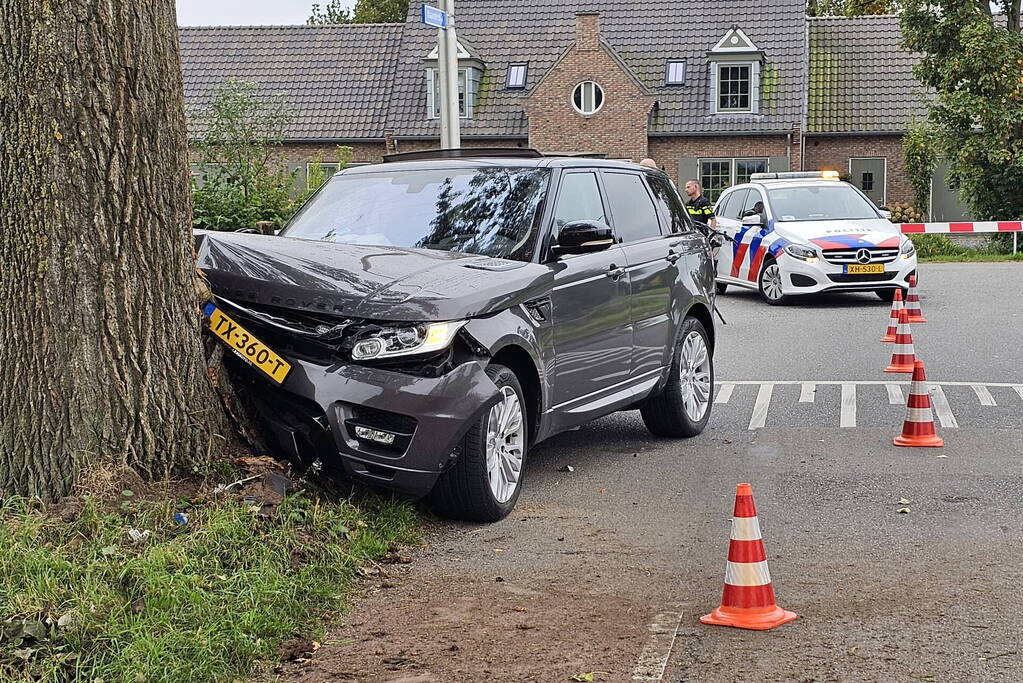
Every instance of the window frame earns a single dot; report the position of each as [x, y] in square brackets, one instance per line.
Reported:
[732, 171]
[552, 217]
[463, 95]
[595, 88]
[672, 197]
[750, 90]
[508, 76]
[667, 71]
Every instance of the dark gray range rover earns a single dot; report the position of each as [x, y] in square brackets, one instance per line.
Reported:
[426, 321]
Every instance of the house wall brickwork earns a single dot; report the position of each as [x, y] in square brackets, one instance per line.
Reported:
[834, 152]
[667, 151]
[468, 143]
[362, 152]
[618, 128]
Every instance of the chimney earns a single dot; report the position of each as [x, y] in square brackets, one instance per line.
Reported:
[587, 30]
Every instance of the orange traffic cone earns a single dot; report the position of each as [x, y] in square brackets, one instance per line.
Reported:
[903, 355]
[918, 428]
[916, 314]
[748, 598]
[893, 319]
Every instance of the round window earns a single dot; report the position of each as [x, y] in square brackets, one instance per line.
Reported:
[587, 98]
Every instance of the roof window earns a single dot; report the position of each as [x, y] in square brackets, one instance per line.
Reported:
[517, 75]
[675, 72]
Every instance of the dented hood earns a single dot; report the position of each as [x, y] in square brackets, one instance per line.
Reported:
[378, 283]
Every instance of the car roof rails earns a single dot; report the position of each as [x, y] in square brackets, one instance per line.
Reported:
[578, 155]
[465, 153]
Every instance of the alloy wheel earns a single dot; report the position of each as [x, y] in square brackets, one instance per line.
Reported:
[505, 443]
[771, 282]
[694, 370]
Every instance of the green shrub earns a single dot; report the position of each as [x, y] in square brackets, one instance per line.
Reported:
[931, 246]
[905, 213]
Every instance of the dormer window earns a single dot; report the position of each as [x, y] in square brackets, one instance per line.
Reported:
[735, 74]
[433, 83]
[516, 76]
[470, 73]
[675, 72]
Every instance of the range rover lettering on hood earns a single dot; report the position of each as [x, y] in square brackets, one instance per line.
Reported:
[369, 282]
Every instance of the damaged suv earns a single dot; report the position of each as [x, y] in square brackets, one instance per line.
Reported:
[426, 321]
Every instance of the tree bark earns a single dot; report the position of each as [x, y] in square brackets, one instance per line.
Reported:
[101, 358]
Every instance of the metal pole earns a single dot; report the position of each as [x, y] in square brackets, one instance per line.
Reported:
[1015, 237]
[454, 132]
[440, 76]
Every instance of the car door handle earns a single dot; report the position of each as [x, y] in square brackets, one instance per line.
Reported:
[673, 256]
[615, 273]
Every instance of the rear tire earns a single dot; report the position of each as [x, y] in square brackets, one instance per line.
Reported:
[682, 408]
[468, 490]
[770, 284]
[720, 287]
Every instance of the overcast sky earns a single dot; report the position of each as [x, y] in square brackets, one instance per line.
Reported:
[244, 12]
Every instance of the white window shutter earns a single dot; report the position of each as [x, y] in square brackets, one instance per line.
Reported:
[713, 87]
[755, 88]
[431, 105]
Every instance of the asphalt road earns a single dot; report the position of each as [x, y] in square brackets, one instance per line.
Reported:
[605, 568]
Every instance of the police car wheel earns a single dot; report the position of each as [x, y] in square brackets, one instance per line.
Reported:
[682, 408]
[720, 287]
[770, 284]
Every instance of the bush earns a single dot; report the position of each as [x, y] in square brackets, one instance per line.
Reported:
[905, 213]
[931, 246]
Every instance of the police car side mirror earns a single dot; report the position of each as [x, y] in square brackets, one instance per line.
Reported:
[754, 219]
[885, 213]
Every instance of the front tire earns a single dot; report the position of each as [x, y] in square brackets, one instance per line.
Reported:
[682, 408]
[485, 480]
[770, 284]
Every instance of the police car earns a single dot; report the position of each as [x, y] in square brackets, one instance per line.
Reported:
[802, 233]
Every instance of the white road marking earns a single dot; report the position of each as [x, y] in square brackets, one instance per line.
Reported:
[724, 393]
[984, 395]
[895, 397]
[942, 408]
[653, 660]
[760, 408]
[789, 382]
[848, 405]
[1019, 390]
[807, 392]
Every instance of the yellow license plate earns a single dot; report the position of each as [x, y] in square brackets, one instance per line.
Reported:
[246, 345]
[867, 269]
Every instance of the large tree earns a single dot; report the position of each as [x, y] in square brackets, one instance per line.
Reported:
[850, 8]
[101, 359]
[365, 12]
[973, 61]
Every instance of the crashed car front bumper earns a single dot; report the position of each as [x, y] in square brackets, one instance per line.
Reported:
[387, 428]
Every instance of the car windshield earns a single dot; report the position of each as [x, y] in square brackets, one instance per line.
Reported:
[819, 203]
[493, 211]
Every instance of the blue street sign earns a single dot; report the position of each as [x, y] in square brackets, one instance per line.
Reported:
[432, 16]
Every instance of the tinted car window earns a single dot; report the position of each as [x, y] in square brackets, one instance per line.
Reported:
[579, 200]
[633, 211]
[734, 204]
[492, 211]
[670, 204]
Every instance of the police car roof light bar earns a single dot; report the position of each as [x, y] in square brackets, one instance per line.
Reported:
[796, 175]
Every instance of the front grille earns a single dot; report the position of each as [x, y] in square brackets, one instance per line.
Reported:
[863, 277]
[314, 337]
[877, 255]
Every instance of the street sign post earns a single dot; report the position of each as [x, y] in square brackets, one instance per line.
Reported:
[431, 16]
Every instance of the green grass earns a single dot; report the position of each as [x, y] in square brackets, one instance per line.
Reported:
[205, 601]
[972, 256]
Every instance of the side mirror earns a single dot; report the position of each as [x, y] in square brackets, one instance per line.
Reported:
[885, 213]
[583, 237]
[756, 219]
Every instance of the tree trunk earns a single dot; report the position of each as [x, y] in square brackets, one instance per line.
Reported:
[101, 358]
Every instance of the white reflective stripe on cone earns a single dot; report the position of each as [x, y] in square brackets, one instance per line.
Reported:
[918, 415]
[747, 574]
[903, 349]
[745, 529]
[919, 389]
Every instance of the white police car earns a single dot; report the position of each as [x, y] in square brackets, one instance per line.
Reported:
[803, 233]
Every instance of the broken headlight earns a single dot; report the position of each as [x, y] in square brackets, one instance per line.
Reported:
[405, 340]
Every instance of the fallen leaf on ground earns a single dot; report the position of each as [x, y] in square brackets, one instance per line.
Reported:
[903, 501]
[903, 511]
[567, 468]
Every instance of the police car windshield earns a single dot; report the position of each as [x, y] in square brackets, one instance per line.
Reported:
[819, 203]
[492, 211]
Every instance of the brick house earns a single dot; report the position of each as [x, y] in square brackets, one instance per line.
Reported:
[717, 89]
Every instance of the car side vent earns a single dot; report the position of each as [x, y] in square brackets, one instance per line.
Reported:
[496, 264]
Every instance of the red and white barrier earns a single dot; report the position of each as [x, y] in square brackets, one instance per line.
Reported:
[979, 226]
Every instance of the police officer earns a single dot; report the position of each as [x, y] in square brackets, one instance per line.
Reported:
[699, 207]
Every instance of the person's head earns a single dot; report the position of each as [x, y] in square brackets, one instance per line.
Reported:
[693, 188]
[648, 162]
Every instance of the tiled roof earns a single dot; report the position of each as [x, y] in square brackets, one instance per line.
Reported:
[337, 78]
[861, 80]
[645, 34]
